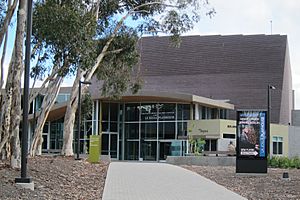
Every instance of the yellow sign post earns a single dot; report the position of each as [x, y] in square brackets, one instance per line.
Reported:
[94, 152]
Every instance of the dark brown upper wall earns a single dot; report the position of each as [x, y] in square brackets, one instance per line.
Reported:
[235, 67]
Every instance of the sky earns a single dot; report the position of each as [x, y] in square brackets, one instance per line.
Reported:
[254, 17]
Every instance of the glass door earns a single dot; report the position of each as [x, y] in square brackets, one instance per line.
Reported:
[114, 145]
[170, 148]
[131, 150]
[149, 141]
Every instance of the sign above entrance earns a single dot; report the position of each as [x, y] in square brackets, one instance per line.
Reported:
[153, 112]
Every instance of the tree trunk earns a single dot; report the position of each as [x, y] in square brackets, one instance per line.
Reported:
[7, 19]
[16, 90]
[48, 102]
[69, 119]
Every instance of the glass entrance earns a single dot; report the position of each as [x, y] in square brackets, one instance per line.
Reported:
[110, 145]
[143, 131]
[170, 148]
[131, 150]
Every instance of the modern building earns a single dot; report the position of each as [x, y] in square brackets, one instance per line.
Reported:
[200, 84]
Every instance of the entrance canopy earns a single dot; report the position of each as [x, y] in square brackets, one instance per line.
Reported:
[150, 95]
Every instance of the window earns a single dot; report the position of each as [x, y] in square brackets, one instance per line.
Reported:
[228, 135]
[210, 145]
[277, 145]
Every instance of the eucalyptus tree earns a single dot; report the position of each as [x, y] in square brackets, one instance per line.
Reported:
[96, 37]
[172, 17]
[10, 116]
[63, 32]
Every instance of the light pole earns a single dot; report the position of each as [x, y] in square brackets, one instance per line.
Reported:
[78, 116]
[270, 87]
[24, 179]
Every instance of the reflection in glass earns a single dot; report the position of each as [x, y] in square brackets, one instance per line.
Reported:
[104, 127]
[181, 129]
[113, 112]
[132, 131]
[166, 111]
[149, 150]
[131, 150]
[131, 112]
[183, 112]
[113, 145]
[148, 112]
[104, 144]
[148, 130]
[166, 130]
[105, 111]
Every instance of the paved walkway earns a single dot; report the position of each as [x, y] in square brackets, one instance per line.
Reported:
[159, 181]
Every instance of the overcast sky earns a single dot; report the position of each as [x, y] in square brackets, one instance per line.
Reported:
[253, 17]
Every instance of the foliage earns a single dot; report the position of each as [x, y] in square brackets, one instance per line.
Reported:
[64, 32]
[72, 33]
[196, 145]
[284, 162]
[86, 106]
[2, 12]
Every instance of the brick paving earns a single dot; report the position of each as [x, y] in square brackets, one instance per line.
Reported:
[159, 181]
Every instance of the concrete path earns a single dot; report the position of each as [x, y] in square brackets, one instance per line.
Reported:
[159, 181]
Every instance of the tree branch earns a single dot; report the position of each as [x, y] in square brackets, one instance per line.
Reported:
[7, 20]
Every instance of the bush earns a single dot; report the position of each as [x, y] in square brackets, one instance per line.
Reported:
[284, 162]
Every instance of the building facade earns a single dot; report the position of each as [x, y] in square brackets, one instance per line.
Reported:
[186, 90]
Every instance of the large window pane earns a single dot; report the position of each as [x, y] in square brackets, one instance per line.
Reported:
[113, 112]
[183, 112]
[213, 145]
[149, 150]
[181, 129]
[131, 112]
[148, 112]
[104, 144]
[148, 130]
[131, 150]
[113, 145]
[166, 112]
[105, 111]
[279, 147]
[132, 131]
[104, 127]
[113, 127]
[274, 147]
[167, 130]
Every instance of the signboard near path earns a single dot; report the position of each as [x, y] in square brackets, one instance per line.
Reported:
[251, 141]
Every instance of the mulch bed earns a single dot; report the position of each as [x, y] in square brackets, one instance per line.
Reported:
[271, 186]
[56, 177]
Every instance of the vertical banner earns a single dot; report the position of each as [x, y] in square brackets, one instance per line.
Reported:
[251, 127]
[251, 141]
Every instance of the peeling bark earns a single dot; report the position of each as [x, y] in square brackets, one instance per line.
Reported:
[69, 119]
[7, 20]
[48, 102]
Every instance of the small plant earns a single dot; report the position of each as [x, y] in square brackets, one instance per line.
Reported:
[196, 145]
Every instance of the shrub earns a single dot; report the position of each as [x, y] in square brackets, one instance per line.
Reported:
[284, 162]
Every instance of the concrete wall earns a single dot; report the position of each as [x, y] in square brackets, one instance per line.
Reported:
[202, 160]
[294, 141]
[223, 143]
[296, 118]
[211, 128]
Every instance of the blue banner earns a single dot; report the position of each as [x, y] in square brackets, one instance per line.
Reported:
[262, 135]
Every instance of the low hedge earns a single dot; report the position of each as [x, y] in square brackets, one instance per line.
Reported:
[284, 162]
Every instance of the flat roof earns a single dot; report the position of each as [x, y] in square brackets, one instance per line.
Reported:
[150, 95]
